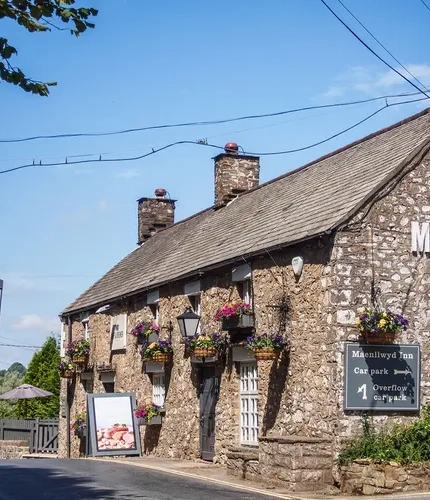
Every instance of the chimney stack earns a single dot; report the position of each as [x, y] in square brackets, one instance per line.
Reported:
[154, 214]
[234, 173]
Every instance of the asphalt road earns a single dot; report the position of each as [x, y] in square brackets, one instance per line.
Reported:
[85, 479]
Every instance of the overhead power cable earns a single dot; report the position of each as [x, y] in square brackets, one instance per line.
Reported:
[208, 122]
[21, 346]
[425, 5]
[205, 143]
[370, 49]
[383, 46]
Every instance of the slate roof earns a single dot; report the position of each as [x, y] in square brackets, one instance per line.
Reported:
[296, 206]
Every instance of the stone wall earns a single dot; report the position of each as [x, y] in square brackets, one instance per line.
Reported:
[298, 462]
[300, 385]
[13, 449]
[294, 391]
[235, 174]
[362, 477]
[243, 462]
[376, 244]
[154, 214]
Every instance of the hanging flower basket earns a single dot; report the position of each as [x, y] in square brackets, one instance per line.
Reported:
[145, 332]
[80, 360]
[237, 315]
[157, 420]
[149, 414]
[379, 338]
[66, 369]
[380, 327]
[80, 425]
[266, 353]
[236, 322]
[267, 345]
[160, 351]
[205, 352]
[162, 357]
[82, 433]
[79, 351]
[206, 346]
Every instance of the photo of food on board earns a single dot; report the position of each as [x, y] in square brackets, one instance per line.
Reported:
[114, 423]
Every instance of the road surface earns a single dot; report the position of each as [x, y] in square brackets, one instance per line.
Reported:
[52, 479]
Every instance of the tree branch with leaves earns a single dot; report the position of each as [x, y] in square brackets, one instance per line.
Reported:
[38, 16]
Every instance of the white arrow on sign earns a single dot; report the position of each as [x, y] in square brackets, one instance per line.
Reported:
[401, 372]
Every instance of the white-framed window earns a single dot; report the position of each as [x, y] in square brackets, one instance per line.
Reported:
[246, 291]
[242, 275]
[62, 340]
[155, 309]
[86, 325]
[196, 304]
[152, 300]
[158, 389]
[248, 403]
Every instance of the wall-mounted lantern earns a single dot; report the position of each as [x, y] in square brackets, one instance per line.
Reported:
[188, 323]
[297, 264]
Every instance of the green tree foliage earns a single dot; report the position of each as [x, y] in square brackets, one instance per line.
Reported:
[18, 368]
[38, 16]
[10, 380]
[42, 372]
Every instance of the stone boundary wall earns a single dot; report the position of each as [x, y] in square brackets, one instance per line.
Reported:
[362, 477]
[298, 463]
[243, 462]
[13, 449]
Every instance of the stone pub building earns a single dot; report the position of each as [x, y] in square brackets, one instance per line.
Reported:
[357, 218]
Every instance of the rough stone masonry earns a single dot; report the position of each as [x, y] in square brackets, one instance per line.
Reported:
[300, 397]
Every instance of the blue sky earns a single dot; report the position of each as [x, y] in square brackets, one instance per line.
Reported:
[149, 63]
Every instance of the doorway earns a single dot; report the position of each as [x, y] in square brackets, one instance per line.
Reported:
[209, 391]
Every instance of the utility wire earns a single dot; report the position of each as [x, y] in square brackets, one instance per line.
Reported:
[425, 5]
[383, 46]
[22, 346]
[104, 160]
[204, 143]
[204, 123]
[371, 50]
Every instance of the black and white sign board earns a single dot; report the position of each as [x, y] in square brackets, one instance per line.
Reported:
[382, 377]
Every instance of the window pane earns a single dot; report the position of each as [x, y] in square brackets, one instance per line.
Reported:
[248, 385]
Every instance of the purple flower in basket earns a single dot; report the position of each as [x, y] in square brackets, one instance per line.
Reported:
[372, 321]
[145, 328]
[267, 341]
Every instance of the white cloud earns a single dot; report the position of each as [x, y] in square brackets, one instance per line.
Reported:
[390, 78]
[127, 174]
[36, 323]
[368, 80]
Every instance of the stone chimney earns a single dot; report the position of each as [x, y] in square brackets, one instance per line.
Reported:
[234, 173]
[154, 214]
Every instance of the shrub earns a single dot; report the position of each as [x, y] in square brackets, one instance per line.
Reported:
[403, 443]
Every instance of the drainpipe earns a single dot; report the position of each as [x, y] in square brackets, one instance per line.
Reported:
[68, 394]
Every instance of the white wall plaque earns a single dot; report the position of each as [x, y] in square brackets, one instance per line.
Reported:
[118, 328]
